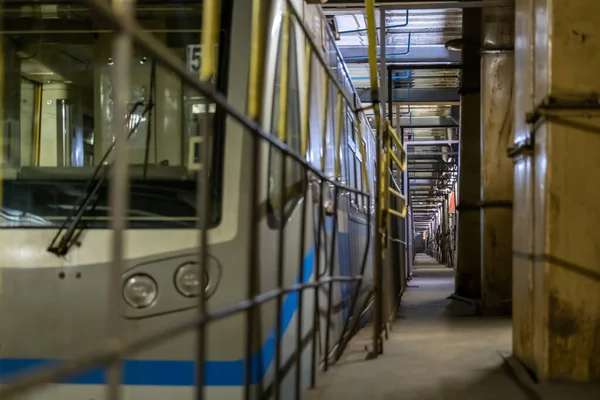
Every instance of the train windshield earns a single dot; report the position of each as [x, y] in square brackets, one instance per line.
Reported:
[58, 116]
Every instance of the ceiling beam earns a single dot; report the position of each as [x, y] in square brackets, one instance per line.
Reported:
[427, 122]
[428, 54]
[423, 96]
[418, 4]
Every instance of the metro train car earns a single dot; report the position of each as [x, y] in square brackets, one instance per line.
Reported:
[55, 266]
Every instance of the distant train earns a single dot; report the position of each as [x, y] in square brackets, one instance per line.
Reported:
[53, 301]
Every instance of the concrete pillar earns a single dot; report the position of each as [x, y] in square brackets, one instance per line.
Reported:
[468, 272]
[11, 104]
[556, 204]
[497, 114]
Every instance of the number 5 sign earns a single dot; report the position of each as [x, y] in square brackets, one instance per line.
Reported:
[193, 57]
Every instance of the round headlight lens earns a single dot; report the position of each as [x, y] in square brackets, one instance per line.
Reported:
[187, 280]
[140, 291]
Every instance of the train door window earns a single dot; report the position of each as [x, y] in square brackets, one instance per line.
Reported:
[345, 160]
[359, 182]
[357, 168]
[351, 164]
[294, 171]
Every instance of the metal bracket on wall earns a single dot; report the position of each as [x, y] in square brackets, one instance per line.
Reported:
[485, 204]
[574, 106]
[524, 147]
[561, 111]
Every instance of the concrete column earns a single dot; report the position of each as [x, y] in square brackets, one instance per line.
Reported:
[468, 272]
[497, 114]
[556, 204]
[11, 104]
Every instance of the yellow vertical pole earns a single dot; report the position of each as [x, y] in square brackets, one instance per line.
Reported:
[363, 153]
[210, 37]
[377, 269]
[306, 123]
[256, 61]
[285, 72]
[1, 114]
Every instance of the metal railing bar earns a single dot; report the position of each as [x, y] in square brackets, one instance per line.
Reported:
[355, 321]
[330, 286]
[169, 60]
[283, 124]
[338, 166]
[320, 233]
[396, 159]
[209, 40]
[203, 206]
[299, 335]
[305, 147]
[116, 349]
[397, 213]
[119, 186]
[254, 112]
[397, 194]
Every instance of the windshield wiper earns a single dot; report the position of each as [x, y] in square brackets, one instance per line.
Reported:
[62, 243]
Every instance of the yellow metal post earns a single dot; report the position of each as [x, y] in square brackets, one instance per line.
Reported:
[378, 318]
[256, 61]
[1, 115]
[210, 37]
[308, 80]
[363, 154]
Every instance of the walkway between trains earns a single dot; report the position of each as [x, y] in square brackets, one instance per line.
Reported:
[436, 350]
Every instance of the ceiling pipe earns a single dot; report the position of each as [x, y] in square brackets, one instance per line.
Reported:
[420, 5]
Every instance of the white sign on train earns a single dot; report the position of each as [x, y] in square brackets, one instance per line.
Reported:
[193, 52]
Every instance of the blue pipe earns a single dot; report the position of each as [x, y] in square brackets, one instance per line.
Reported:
[387, 55]
[385, 27]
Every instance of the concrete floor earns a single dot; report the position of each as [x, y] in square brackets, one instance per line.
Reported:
[436, 350]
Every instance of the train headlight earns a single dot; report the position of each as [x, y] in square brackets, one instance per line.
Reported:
[140, 291]
[187, 280]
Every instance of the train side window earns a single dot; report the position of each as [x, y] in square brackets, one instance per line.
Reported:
[359, 182]
[351, 156]
[294, 170]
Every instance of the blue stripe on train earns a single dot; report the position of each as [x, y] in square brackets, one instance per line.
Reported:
[177, 373]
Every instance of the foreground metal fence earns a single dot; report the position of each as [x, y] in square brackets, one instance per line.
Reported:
[127, 32]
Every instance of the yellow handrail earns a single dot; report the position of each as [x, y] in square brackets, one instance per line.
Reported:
[256, 62]
[402, 161]
[1, 118]
[363, 154]
[391, 139]
[285, 73]
[210, 37]
[387, 141]
[306, 124]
